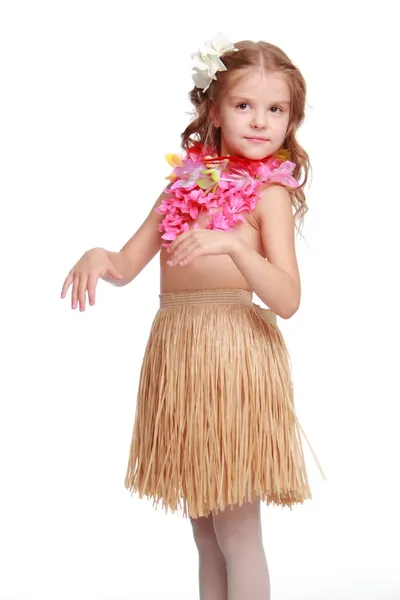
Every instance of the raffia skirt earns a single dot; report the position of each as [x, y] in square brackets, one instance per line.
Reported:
[215, 423]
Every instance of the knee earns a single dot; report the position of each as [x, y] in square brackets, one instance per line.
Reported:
[204, 534]
[229, 537]
[237, 529]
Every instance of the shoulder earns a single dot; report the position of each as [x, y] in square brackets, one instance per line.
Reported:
[273, 197]
[274, 206]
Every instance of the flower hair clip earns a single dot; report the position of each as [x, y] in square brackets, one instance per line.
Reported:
[207, 61]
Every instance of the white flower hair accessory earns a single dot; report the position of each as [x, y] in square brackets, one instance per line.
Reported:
[207, 61]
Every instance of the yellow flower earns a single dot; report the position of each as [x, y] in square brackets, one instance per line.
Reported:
[174, 160]
[213, 172]
[283, 154]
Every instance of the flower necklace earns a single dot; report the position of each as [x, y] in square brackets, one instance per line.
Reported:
[203, 181]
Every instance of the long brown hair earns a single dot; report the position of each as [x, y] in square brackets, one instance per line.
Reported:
[272, 59]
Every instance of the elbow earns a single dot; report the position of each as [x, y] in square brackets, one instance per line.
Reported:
[290, 308]
[288, 314]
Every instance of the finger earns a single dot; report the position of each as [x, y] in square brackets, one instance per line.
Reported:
[178, 241]
[82, 291]
[180, 250]
[187, 259]
[172, 247]
[74, 293]
[91, 288]
[69, 279]
[185, 252]
[176, 257]
[194, 251]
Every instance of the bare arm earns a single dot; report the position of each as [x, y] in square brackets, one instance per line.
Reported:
[276, 281]
[139, 250]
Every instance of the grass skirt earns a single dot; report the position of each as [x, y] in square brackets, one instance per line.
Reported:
[215, 423]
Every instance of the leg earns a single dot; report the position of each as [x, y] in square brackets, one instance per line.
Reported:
[239, 536]
[212, 566]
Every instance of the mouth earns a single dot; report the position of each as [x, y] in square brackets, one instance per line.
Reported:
[256, 139]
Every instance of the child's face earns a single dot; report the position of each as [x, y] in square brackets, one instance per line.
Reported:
[256, 106]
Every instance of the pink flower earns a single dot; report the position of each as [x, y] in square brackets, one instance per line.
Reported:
[163, 208]
[174, 228]
[274, 163]
[203, 182]
[283, 174]
[236, 204]
[220, 222]
[187, 176]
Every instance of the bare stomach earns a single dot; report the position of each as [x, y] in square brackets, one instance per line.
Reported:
[208, 272]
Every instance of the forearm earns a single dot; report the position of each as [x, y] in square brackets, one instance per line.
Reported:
[272, 285]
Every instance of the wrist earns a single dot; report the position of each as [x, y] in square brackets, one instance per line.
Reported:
[236, 247]
[98, 250]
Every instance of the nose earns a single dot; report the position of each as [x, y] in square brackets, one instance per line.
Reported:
[259, 120]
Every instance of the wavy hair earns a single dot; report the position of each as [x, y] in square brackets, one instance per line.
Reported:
[272, 59]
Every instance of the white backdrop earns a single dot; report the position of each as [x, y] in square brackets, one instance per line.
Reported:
[93, 94]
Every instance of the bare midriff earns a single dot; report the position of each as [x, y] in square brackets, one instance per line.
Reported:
[211, 271]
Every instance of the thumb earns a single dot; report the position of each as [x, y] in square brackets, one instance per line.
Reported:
[114, 273]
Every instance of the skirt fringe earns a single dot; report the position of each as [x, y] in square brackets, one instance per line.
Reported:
[215, 423]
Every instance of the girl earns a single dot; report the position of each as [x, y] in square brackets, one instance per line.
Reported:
[215, 429]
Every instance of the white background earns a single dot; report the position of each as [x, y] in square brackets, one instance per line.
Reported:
[93, 94]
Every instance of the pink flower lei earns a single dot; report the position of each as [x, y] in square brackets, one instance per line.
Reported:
[203, 181]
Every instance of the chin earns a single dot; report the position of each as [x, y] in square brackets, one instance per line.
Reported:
[250, 151]
[256, 153]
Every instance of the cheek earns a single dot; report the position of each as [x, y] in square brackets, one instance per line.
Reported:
[284, 124]
[279, 127]
[234, 123]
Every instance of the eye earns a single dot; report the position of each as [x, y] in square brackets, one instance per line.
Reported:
[277, 107]
[241, 105]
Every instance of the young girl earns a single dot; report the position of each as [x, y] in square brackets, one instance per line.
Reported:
[215, 428]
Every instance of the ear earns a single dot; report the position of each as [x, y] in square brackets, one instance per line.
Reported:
[214, 116]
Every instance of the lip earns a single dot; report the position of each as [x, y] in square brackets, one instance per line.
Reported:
[257, 139]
